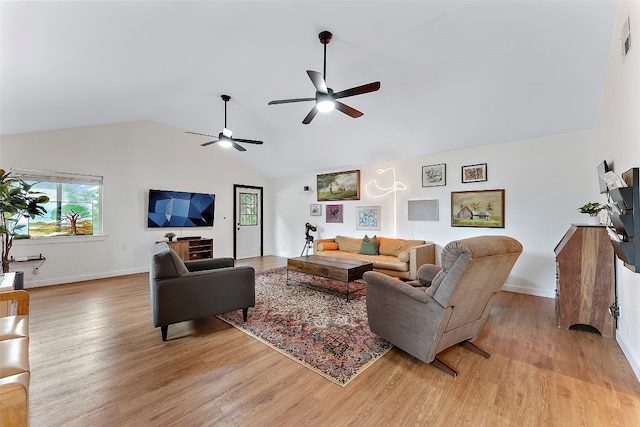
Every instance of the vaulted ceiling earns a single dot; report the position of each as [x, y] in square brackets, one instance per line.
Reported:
[453, 74]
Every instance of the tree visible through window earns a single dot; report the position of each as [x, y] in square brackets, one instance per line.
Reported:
[248, 209]
[74, 206]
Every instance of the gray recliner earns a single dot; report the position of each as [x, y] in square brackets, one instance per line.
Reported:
[186, 290]
[445, 306]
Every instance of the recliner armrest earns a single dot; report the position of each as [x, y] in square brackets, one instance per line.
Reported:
[209, 264]
[427, 272]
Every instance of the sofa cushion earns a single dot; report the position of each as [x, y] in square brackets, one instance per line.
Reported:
[393, 247]
[327, 246]
[369, 246]
[348, 244]
[403, 256]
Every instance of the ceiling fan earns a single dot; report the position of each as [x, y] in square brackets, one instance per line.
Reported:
[225, 137]
[325, 96]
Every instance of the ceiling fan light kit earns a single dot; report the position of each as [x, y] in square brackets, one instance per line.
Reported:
[225, 138]
[325, 97]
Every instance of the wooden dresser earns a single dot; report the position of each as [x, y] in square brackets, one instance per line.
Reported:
[585, 279]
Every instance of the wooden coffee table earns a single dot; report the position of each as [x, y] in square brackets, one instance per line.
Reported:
[341, 269]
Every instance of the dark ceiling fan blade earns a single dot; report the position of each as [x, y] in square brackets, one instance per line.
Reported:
[318, 81]
[248, 141]
[208, 143]
[310, 116]
[201, 134]
[349, 111]
[237, 146]
[370, 87]
[286, 101]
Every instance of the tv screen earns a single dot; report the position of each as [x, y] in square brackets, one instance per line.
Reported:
[602, 169]
[180, 209]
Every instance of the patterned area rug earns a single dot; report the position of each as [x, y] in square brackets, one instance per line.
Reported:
[318, 329]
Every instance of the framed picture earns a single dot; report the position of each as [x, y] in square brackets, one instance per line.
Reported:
[339, 186]
[368, 218]
[315, 209]
[434, 175]
[483, 208]
[474, 173]
[334, 213]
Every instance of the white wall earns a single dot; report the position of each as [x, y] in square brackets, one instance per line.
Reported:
[618, 134]
[545, 181]
[132, 157]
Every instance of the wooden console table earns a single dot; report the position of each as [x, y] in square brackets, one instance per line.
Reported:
[193, 249]
[585, 279]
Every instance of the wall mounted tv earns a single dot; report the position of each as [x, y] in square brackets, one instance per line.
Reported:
[180, 209]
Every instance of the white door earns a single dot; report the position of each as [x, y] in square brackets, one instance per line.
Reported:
[248, 222]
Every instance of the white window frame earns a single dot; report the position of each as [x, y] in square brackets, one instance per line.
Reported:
[65, 178]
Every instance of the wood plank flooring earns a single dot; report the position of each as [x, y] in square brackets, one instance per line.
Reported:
[97, 360]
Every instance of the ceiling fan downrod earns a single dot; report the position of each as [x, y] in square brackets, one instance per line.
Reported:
[325, 38]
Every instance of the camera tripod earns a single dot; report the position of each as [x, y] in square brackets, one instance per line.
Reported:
[307, 245]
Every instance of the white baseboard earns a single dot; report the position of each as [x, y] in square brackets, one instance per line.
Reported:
[81, 278]
[633, 358]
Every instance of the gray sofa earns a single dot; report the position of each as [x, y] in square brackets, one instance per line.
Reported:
[445, 306]
[186, 290]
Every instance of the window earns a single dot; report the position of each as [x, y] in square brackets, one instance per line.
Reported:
[74, 207]
[248, 209]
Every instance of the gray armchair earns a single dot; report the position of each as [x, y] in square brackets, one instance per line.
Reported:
[186, 290]
[445, 306]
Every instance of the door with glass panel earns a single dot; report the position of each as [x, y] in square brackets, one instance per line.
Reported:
[248, 222]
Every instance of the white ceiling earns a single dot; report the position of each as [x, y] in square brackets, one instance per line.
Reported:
[453, 74]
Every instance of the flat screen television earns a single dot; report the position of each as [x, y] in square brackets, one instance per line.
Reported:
[180, 209]
[602, 169]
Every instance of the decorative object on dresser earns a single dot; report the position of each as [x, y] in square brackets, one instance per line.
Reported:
[592, 209]
[188, 290]
[445, 306]
[585, 280]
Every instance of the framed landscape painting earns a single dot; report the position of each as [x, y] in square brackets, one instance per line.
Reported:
[483, 208]
[339, 186]
[434, 175]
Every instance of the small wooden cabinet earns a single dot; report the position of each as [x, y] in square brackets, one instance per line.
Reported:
[585, 279]
[6, 284]
[193, 249]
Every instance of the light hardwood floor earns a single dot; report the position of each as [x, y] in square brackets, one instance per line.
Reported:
[97, 360]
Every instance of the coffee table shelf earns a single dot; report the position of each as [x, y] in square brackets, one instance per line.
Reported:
[343, 270]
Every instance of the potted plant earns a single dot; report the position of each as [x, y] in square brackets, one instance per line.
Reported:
[16, 202]
[592, 208]
[170, 236]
